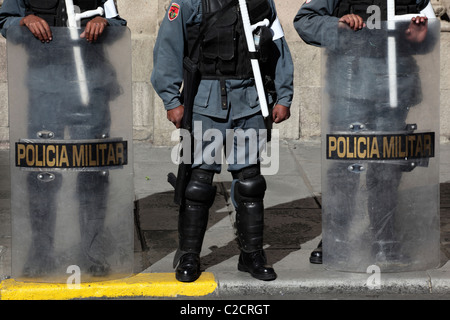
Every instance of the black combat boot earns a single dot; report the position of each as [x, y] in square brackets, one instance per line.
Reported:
[192, 223]
[188, 269]
[316, 254]
[42, 193]
[92, 191]
[248, 194]
[255, 263]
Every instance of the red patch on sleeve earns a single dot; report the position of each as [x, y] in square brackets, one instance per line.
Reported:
[173, 11]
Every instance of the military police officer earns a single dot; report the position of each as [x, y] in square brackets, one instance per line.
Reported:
[317, 22]
[226, 99]
[53, 112]
[39, 16]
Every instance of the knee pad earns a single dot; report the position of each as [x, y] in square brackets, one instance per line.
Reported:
[252, 189]
[249, 185]
[199, 190]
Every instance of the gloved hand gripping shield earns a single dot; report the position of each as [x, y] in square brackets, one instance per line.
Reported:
[71, 165]
[380, 147]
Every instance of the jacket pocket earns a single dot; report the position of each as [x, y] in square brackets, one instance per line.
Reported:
[252, 96]
[203, 94]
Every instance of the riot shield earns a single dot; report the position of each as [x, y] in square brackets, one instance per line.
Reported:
[380, 147]
[71, 166]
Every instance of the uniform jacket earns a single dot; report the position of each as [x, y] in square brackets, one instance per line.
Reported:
[242, 97]
[360, 69]
[315, 17]
[12, 11]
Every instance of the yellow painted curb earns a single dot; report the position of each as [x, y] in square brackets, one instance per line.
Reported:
[141, 285]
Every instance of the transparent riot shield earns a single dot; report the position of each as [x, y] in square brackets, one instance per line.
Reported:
[71, 165]
[380, 144]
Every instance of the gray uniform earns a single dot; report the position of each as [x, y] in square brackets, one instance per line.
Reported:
[242, 97]
[358, 91]
[12, 11]
[167, 74]
[315, 20]
[241, 111]
[54, 106]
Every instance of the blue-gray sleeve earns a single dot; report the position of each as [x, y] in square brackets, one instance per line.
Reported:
[314, 21]
[115, 21]
[284, 74]
[168, 54]
[11, 12]
[284, 70]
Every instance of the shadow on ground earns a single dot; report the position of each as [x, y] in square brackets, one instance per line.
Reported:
[287, 226]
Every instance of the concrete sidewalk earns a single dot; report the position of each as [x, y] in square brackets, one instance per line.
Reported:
[293, 228]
